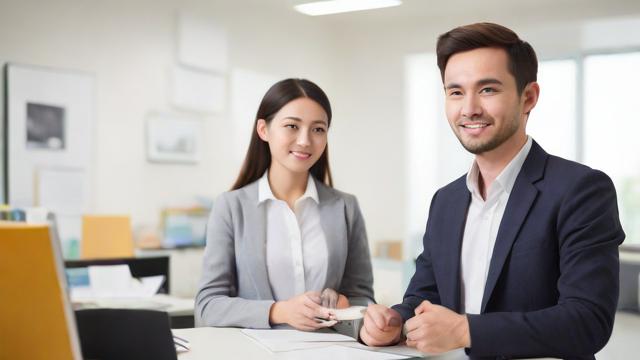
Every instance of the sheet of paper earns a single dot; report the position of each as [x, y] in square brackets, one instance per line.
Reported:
[150, 285]
[336, 352]
[110, 281]
[116, 282]
[61, 190]
[202, 42]
[288, 340]
[350, 313]
[400, 349]
[198, 90]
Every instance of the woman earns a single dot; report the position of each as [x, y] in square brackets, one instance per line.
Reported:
[284, 247]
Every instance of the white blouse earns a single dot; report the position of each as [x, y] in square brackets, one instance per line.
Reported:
[296, 248]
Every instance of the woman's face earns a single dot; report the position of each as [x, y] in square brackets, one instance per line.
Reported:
[297, 135]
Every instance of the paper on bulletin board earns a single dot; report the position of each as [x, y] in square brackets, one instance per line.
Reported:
[201, 42]
[198, 90]
[61, 190]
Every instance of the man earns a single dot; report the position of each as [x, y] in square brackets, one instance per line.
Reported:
[521, 254]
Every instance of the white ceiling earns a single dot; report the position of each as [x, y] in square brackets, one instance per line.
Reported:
[414, 12]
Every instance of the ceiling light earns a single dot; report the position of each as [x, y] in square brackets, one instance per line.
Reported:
[327, 7]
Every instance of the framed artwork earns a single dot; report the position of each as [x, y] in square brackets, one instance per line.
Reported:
[174, 139]
[48, 124]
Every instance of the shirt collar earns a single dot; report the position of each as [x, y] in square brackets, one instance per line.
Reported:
[265, 193]
[508, 175]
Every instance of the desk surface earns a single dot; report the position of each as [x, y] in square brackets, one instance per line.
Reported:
[173, 305]
[225, 343]
[207, 343]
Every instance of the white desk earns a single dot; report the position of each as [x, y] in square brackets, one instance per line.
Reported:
[230, 343]
[223, 343]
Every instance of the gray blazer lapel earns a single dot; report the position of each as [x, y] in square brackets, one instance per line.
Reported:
[449, 277]
[254, 244]
[333, 222]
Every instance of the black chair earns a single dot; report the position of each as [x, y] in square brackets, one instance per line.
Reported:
[140, 267]
[125, 334]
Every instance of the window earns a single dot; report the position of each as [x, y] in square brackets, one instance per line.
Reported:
[612, 127]
[553, 121]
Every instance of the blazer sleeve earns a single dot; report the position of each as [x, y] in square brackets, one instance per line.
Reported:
[357, 280]
[217, 302]
[423, 283]
[589, 233]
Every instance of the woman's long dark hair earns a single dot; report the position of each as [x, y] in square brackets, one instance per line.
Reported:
[258, 157]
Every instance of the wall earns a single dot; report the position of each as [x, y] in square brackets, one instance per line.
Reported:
[130, 46]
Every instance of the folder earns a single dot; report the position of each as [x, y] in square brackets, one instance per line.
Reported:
[36, 317]
[106, 237]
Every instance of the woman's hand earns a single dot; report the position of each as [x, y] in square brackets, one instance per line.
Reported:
[301, 312]
[332, 300]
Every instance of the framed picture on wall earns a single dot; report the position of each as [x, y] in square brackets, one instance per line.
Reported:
[174, 139]
[48, 124]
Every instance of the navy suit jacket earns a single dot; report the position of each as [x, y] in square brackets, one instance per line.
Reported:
[552, 286]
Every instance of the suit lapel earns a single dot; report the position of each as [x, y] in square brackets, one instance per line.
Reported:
[255, 248]
[332, 219]
[449, 287]
[520, 201]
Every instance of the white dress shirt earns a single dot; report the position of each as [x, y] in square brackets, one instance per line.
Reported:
[481, 229]
[296, 249]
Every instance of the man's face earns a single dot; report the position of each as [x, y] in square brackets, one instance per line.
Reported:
[482, 102]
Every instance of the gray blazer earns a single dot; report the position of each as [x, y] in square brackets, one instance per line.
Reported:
[235, 289]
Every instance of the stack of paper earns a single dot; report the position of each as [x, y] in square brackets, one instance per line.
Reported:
[115, 281]
[336, 352]
[294, 344]
[287, 340]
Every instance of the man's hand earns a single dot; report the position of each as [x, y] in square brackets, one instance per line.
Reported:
[436, 329]
[382, 326]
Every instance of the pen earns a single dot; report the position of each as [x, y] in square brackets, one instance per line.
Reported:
[181, 339]
[181, 345]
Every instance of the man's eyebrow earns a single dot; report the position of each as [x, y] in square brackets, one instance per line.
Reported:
[489, 81]
[481, 82]
[452, 86]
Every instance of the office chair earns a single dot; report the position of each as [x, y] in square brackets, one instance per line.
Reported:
[106, 237]
[32, 328]
[125, 334]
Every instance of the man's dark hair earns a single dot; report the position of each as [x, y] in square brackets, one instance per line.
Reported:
[523, 63]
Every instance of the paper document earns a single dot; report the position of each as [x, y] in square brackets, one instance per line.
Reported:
[399, 349]
[350, 313]
[337, 352]
[116, 282]
[287, 340]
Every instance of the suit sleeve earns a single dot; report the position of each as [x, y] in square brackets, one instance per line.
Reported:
[357, 281]
[589, 233]
[423, 283]
[217, 303]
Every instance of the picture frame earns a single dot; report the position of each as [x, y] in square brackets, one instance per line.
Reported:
[173, 139]
[48, 123]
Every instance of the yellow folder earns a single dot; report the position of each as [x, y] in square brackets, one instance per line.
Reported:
[36, 319]
[106, 237]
